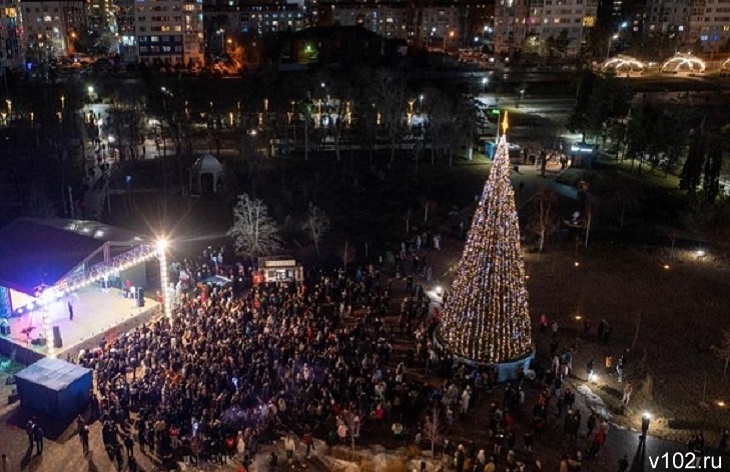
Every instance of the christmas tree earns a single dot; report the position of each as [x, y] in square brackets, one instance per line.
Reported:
[486, 317]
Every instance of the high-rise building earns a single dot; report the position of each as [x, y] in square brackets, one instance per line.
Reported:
[11, 43]
[51, 26]
[529, 25]
[225, 20]
[101, 14]
[668, 17]
[709, 24]
[435, 24]
[168, 32]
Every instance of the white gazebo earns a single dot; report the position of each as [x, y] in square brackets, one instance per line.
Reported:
[205, 164]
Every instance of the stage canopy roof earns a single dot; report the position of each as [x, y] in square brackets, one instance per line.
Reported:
[35, 251]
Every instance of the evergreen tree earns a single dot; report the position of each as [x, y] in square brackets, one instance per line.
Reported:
[692, 171]
[486, 317]
[713, 164]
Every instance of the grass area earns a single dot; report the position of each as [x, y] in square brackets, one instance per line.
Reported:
[370, 202]
[654, 178]
[681, 313]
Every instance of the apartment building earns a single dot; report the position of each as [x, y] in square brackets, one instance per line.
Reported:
[527, 25]
[168, 32]
[434, 24]
[271, 19]
[668, 17]
[101, 15]
[11, 42]
[51, 26]
[709, 24]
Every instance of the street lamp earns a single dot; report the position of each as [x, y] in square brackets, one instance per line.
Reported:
[63, 102]
[162, 245]
[222, 33]
[615, 37]
[485, 81]
[451, 37]
[610, 40]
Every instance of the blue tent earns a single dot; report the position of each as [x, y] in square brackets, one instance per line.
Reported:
[54, 388]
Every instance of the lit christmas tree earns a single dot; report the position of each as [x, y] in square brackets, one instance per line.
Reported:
[486, 317]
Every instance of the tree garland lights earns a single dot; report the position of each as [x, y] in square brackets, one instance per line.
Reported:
[486, 317]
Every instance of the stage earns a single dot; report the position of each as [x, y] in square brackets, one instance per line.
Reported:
[98, 314]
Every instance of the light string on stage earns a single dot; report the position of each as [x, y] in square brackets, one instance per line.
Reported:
[95, 273]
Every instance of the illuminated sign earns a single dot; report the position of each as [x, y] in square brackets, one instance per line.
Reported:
[582, 148]
[285, 263]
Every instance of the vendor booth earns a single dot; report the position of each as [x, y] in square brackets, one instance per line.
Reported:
[54, 388]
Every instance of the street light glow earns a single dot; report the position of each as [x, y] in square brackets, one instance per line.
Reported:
[162, 244]
[165, 289]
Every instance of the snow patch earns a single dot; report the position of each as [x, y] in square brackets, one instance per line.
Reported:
[594, 402]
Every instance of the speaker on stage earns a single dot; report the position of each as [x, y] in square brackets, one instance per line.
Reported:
[57, 341]
[140, 297]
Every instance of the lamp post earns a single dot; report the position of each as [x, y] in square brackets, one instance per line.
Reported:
[450, 36]
[222, 33]
[614, 37]
[162, 245]
[63, 102]
[485, 81]
[611, 39]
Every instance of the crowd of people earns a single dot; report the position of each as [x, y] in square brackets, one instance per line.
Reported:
[226, 373]
[230, 371]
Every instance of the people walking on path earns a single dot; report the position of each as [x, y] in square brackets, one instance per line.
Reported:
[84, 437]
[38, 438]
[628, 390]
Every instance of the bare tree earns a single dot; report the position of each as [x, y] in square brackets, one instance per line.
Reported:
[722, 351]
[545, 219]
[390, 99]
[432, 429]
[254, 232]
[427, 205]
[347, 253]
[637, 326]
[316, 225]
[352, 421]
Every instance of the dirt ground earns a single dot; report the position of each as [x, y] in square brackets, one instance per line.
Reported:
[680, 302]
